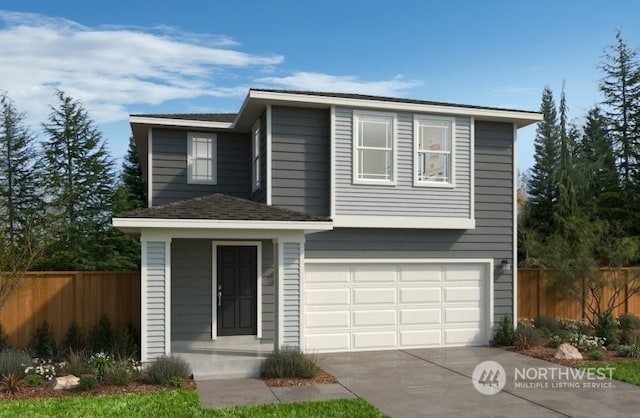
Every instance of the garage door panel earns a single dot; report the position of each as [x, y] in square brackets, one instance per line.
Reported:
[339, 319]
[462, 315]
[374, 340]
[421, 316]
[421, 338]
[421, 295]
[375, 273]
[324, 297]
[368, 296]
[327, 342]
[461, 272]
[374, 318]
[461, 294]
[420, 273]
[468, 336]
[331, 273]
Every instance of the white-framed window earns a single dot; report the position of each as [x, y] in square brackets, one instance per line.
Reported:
[201, 158]
[374, 143]
[434, 151]
[255, 157]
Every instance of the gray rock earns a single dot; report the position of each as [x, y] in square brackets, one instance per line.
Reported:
[567, 352]
[64, 382]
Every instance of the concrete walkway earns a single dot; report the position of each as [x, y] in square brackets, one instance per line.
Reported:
[438, 382]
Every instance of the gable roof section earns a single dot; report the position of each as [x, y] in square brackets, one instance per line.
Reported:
[219, 211]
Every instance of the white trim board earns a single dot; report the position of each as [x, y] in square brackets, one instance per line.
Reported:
[214, 282]
[411, 222]
[220, 224]
[187, 123]
[514, 264]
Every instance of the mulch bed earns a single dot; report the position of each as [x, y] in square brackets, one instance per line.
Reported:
[321, 378]
[44, 391]
[546, 353]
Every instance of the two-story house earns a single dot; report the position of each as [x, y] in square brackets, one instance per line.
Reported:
[332, 222]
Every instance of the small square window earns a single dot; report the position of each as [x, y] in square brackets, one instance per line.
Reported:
[201, 158]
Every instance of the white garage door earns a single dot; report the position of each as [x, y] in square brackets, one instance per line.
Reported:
[370, 305]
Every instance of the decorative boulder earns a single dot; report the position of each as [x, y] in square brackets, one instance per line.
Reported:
[64, 382]
[567, 352]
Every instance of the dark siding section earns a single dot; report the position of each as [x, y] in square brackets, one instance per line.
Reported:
[492, 237]
[300, 159]
[191, 295]
[170, 167]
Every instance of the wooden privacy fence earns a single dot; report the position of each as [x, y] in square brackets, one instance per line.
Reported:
[62, 297]
[536, 298]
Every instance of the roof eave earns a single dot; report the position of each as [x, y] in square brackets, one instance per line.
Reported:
[136, 225]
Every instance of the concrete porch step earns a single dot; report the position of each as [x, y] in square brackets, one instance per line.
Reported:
[224, 358]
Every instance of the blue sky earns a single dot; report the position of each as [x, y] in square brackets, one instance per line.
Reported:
[192, 56]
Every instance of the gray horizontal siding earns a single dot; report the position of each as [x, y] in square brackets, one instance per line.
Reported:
[403, 199]
[300, 159]
[191, 284]
[291, 295]
[169, 172]
[155, 296]
[492, 237]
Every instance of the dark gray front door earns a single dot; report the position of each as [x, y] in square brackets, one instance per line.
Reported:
[237, 285]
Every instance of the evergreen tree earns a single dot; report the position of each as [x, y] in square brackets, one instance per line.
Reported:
[132, 181]
[80, 184]
[543, 186]
[601, 196]
[567, 133]
[19, 175]
[620, 87]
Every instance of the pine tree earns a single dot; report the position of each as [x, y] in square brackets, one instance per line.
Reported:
[543, 187]
[620, 87]
[80, 181]
[601, 196]
[567, 204]
[132, 181]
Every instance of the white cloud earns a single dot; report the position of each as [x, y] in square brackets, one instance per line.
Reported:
[109, 68]
[302, 80]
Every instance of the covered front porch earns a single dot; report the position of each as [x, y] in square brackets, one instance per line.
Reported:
[222, 293]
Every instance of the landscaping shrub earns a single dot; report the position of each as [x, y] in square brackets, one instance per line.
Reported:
[607, 328]
[101, 364]
[587, 342]
[101, 336]
[3, 339]
[33, 380]
[11, 383]
[73, 339]
[43, 342]
[165, 368]
[574, 326]
[123, 372]
[44, 368]
[629, 351]
[289, 362]
[629, 322]
[629, 337]
[126, 346]
[526, 337]
[505, 335]
[76, 363]
[177, 382]
[88, 382]
[596, 355]
[546, 325]
[14, 361]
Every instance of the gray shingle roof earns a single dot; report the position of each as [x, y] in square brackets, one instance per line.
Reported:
[208, 117]
[387, 99]
[222, 207]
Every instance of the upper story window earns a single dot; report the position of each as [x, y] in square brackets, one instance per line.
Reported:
[201, 158]
[374, 148]
[434, 145]
[255, 157]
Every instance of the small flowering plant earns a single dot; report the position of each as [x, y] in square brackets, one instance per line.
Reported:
[101, 363]
[587, 343]
[43, 368]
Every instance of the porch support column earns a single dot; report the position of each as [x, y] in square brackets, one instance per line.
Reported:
[290, 292]
[155, 296]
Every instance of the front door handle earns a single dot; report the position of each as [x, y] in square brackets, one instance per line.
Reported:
[219, 295]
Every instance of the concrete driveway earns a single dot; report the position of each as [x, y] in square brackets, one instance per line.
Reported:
[438, 382]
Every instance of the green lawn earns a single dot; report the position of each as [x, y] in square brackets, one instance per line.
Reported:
[182, 403]
[625, 372]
